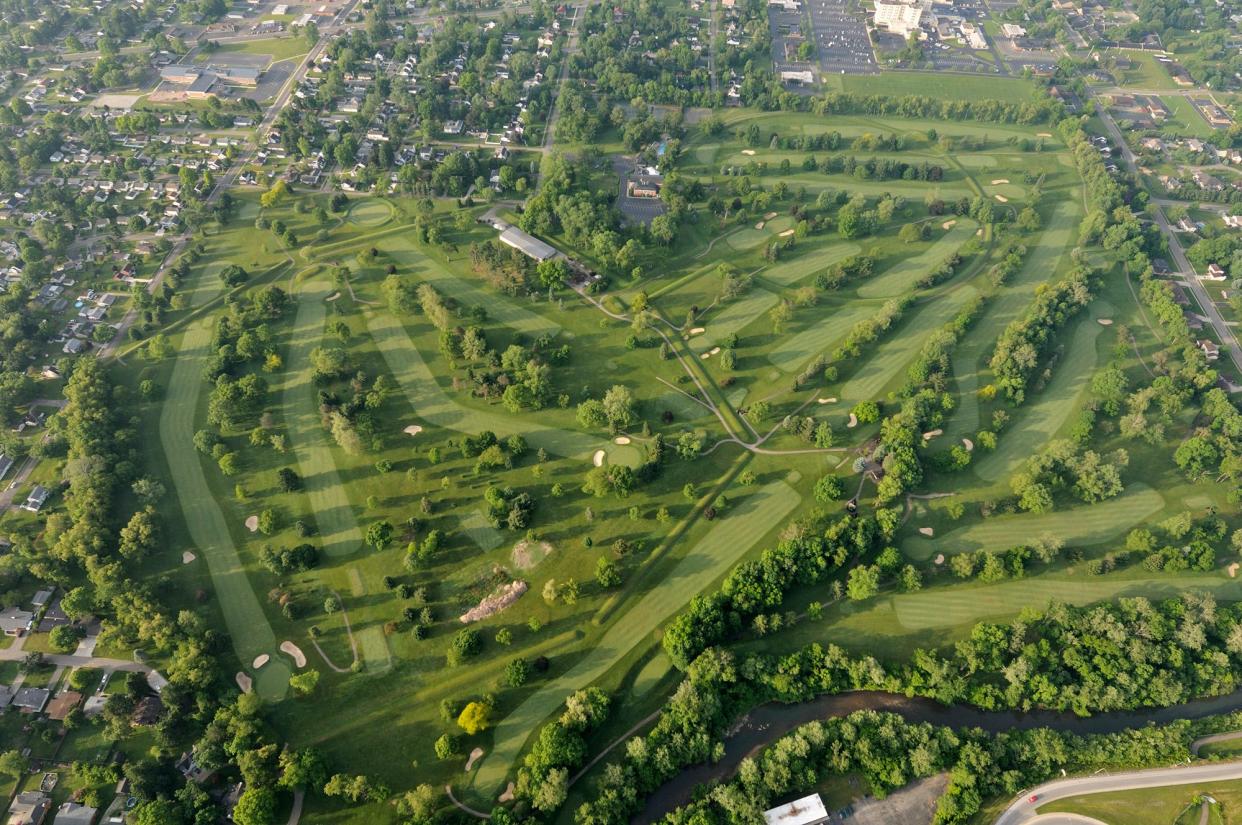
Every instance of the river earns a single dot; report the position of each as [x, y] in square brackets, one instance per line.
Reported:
[767, 723]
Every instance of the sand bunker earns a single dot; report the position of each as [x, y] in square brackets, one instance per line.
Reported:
[500, 598]
[187, 557]
[475, 755]
[698, 330]
[527, 554]
[748, 152]
[413, 429]
[759, 225]
[948, 224]
[853, 421]
[930, 434]
[714, 351]
[769, 216]
[261, 660]
[1044, 134]
[1105, 322]
[244, 682]
[968, 444]
[252, 523]
[598, 458]
[786, 233]
[831, 400]
[299, 658]
[507, 796]
[1233, 570]
[927, 531]
[999, 181]
[622, 440]
[939, 558]
[333, 296]
[1001, 198]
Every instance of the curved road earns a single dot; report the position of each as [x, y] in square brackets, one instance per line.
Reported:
[1022, 810]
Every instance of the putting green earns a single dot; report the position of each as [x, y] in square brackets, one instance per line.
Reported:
[706, 154]
[626, 454]
[831, 326]
[894, 353]
[434, 406]
[1079, 526]
[779, 224]
[722, 322]
[748, 238]
[338, 527]
[1011, 299]
[243, 615]
[717, 551]
[793, 271]
[370, 212]
[500, 308]
[1036, 422]
[901, 278]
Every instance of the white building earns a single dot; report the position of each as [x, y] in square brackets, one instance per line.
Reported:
[1012, 30]
[902, 18]
[809, 810]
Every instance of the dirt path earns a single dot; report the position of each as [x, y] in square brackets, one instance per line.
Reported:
[353, 645]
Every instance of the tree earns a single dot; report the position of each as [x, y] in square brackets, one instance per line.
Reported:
[619, 406]
[12, 763]
[829, 488]
[379, 534]
[304, 768]
[591, 414]
[864, 582]
[304, 683]
[65, 638]
[607, 575]
[256, 806]
[447, 746]
[475, 717]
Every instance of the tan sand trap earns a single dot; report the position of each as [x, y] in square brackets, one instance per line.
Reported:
[927, 531]
[748, 152]
[299, 658]
[968, 444]
[999, 181]
[939, 558]
[333, 296]
[769, 216]
[252, 523]
[1044, 134]
[698, 330]
[786, 233]
[244, 682]
[413, 429]
[598, 458]
[831, 400]
[507, 796]
[1001, 198]
[1233, 570]
[1105, 322]
[930, 434]
[759, 225]
[853, 421]
[948, 224]
[475, 755]
[187, 557]
[260, 660]
[622, 440]
[499, 599]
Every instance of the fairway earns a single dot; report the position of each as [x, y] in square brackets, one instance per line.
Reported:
[832, 325]
[251, 634]
[370, 212]
[480, 531]
[329, 502]
[1010, 300]
[1077, 526]
[500, 308]
[894, 353]
[791, 272]
[748, 238]
[710, 558]
[900, 279]
[1039, 420]
[433, 405]
[733, 317]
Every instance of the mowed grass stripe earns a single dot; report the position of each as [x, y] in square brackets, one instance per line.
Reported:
[1079, 526]
[502, 310]
[831, 326]
[895, 353]
[711, 557]
[432, 405]
[900, 279]
[338, 527]
[949, 606]
[732, 318]
[1037, 421]
[243, 615]
[790, 272]
[1010, 300]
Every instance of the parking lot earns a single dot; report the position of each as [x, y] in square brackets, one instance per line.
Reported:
[636, 210]
[841, 38]
[786, 27]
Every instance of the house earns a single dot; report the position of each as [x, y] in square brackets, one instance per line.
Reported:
[38, 496]
[71, 813]
[53, 618]
[29, 808]
[1210, 350]
[14, 621]
[1234, 221]
[809, 810]
[31, 700]
[1214, 273]
[148, 712]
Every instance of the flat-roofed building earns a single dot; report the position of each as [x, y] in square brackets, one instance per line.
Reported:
[527, 244]
[901, 18]
[809, 810]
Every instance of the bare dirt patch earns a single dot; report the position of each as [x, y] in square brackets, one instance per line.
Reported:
[500, 598]
[299, 658]
[914, 804]
[526, 555]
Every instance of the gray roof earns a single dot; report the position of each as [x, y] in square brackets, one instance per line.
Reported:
[527, 243]
[71, 813]
[6, 464]
[15, 619]
[32, 698]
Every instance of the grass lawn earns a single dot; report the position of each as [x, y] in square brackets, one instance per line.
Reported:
[279, 48]
[932, 84]
[900, 279]
[1186, 120]
[1155, 806]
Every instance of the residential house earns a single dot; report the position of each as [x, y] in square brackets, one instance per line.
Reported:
[39, 495]
[1210, 350]
[1214, 273]
[14, 621]
[29, 808]
[31, 700]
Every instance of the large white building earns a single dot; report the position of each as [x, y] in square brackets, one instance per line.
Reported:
[903, 17]
[809, 810]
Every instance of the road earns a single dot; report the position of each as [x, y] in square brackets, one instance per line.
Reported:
[1022, 811]
[225, 181]
[1228, 340]
[17, 652]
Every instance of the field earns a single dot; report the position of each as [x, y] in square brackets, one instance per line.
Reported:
[1158, 806]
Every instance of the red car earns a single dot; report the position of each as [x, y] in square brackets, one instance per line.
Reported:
[1034, 796]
